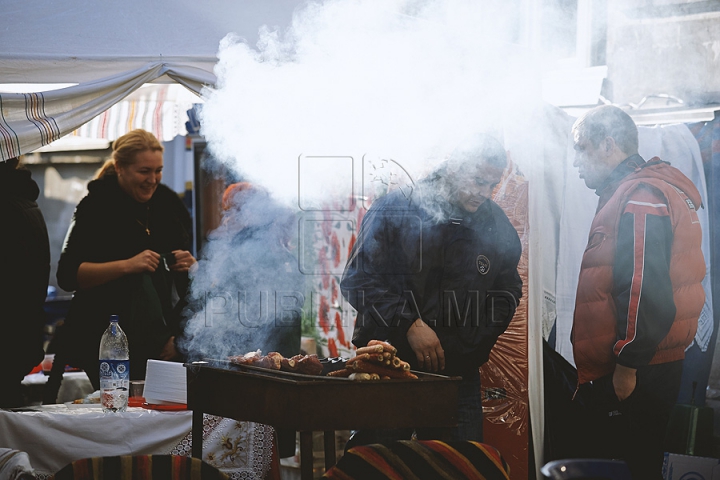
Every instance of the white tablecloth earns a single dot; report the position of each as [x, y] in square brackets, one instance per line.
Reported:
[58, 434]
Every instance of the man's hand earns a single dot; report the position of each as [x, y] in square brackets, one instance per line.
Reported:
[427, 348]
[169, 352]
[624, 381]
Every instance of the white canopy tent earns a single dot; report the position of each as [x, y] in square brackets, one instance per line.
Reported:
[109, 50]
[78, 41]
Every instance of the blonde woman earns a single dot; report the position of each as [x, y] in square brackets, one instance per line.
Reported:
[126, 253]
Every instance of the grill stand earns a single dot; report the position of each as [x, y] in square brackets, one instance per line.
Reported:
[306, 404]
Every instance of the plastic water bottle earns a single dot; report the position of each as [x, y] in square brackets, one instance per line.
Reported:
[114, 368]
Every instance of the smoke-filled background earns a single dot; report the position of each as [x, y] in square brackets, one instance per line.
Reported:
[247, 291]
[312, 111]
[405, 79]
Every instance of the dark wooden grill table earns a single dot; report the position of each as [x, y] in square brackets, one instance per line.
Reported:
[307, 403]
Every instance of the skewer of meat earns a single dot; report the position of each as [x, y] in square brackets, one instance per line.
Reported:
[386, 346]
[369, 367]
[309, 365]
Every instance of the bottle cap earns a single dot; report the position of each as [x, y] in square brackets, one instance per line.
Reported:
[114, 318]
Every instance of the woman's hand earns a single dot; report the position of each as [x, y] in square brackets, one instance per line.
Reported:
[426, 345]
[169, 352]
[146, 261]
[183, 261]
[95, 274]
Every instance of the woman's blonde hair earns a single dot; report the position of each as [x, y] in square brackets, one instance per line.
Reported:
[126, 148]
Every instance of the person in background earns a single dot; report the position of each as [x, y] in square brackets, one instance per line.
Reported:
[435, 274]
[639, 293]
[25, 260]
[250, 256]
[126, 253]
[261, 232]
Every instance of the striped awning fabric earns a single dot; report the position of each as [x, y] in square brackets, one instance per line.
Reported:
[160, 109]
[104, 108]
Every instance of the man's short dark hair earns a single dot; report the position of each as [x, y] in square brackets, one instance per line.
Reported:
[608, 121]
[474, 151]
[479, 149]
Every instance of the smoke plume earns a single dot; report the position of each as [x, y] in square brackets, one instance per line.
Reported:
[352, 92]
[400, 79]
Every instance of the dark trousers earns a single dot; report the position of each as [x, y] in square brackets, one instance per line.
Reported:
[470, 421]
[634, 429]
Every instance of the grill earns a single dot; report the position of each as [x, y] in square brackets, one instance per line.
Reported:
[308, 403]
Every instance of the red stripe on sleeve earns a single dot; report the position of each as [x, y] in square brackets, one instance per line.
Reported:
[636, 285]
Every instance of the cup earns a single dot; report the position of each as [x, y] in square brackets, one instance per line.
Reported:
[137, 388]
[308, 345]
[47, 362]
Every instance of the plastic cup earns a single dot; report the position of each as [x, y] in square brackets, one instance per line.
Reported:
[137, 388]
[47, 362]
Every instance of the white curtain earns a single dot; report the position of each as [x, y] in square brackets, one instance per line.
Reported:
[29, 121]
[539, 146]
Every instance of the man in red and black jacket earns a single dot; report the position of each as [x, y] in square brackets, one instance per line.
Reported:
[639, 292]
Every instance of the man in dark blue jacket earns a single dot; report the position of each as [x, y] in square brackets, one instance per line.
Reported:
[434, 272]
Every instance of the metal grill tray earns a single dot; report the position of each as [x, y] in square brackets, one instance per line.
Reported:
[308, 402]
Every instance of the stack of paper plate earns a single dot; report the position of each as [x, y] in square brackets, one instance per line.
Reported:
[165, 383]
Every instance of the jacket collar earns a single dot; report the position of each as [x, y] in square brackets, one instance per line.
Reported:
[459, 216]
[625, 168]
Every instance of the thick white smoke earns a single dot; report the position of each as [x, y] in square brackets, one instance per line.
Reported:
[353, 91]
[400, 79]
